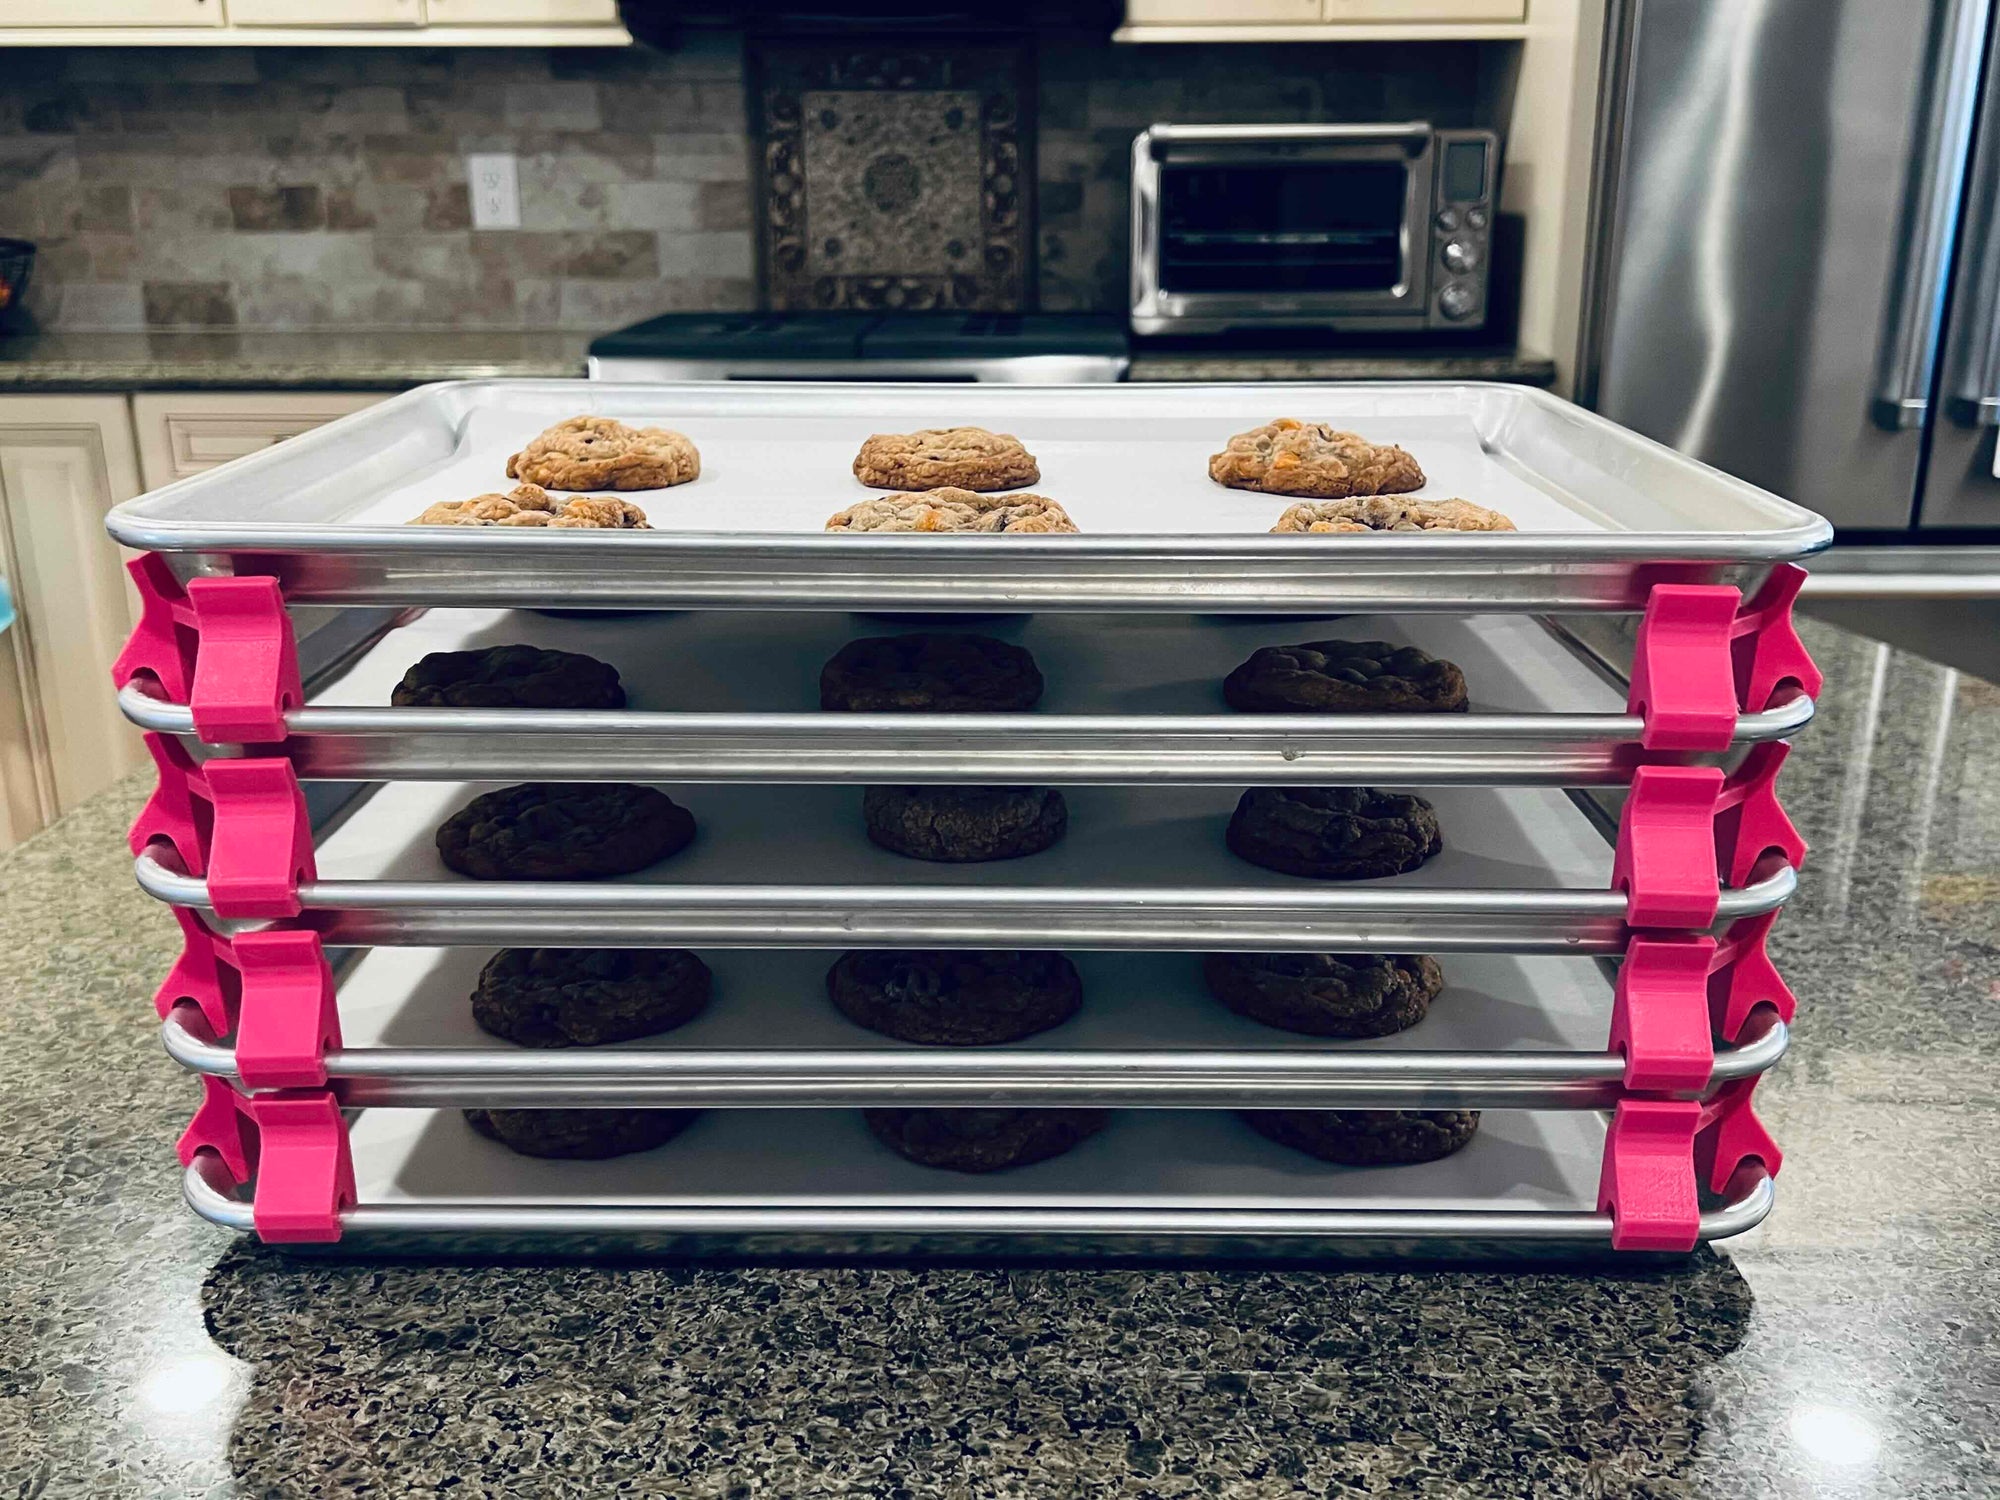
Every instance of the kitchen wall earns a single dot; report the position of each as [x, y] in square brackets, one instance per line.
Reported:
[325, 188]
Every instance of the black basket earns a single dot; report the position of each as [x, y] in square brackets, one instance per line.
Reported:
[17, 260]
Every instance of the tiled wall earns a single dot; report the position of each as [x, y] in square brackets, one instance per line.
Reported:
[325, 188]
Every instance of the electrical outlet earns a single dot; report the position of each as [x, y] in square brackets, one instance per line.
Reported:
[496, 190]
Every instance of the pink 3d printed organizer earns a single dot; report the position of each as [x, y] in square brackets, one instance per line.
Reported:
[1703, 657]
[241, 824]
[272, 989]
[223, 646]
[291, 1145]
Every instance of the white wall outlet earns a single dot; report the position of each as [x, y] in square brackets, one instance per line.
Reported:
[496, 190]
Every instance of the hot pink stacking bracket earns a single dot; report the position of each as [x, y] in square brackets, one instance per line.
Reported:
[241, 824]
[273, 989]
[1703, 657]
[292, 1145]
[223, 646]
[1660, 1152]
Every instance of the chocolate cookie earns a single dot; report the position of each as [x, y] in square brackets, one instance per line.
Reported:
[558, 830]
[970, 457]
[982, 1140]
[580, 1134]
[964, 824]
[944, 673]
[531, 505]
[1326, 994]
[1290, 457]
[954, 998]
[509, 677]
[1333, 832]
[601, 453]
[1345, 677]
[954, 510]
[583, 997]
[1366, 1137]
[1377, 514]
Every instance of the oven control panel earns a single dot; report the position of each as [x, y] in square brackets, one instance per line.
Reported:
[1462, 225]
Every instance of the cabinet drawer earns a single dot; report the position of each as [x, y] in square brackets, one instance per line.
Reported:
[111, 13]
[1426, 12]
[181, 435]
[326, 12]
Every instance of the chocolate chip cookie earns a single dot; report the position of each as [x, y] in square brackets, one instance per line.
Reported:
[964, 824]
[602, 453]
[531, 505]
[1290, 457]
[509, 677]
[954, 998]
[946, 672]
[1345, 677]
[952, 509]
[969, 457]
[558, 830]
[580, 1134]
[585, 997]
[982, 1140]
[1326, 994]
[1377, 514]
[1333, 832]
[1367, 1137]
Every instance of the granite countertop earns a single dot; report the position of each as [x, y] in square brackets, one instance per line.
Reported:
[395, 361]
[1844, 1348]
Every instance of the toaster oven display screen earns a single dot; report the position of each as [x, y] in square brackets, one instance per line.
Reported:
[1297, 227]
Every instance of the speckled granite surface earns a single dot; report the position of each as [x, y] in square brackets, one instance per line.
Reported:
[395, 361]
[1846, 1348]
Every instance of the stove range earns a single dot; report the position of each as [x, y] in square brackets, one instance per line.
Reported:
[1026, 348]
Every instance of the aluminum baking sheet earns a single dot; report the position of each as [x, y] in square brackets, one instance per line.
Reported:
[733, 696]
[1602, 512]
[1522, 869]
[1523, 1031]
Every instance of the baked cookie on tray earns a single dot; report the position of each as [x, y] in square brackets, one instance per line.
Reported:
[514, 676]
[1290, 457]
[1345, 677]
[953, 509]
[1367, 1137]
[933, 672]
[580, 1134]
[1333, 832]
[1375, 513]
[602, 453]
[585, 997]
[531, 505]
[969, 457]
[954, 997]
[964, 824]
[982, 1140]
[563, 830]
[1326, 994]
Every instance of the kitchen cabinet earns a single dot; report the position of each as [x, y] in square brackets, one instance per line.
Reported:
[522, 12]
[326, 12]
[111, 13]
[1309, 20]
[183, 432]
[64, 462]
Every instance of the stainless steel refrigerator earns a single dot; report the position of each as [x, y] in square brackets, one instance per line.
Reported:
[1796, 249]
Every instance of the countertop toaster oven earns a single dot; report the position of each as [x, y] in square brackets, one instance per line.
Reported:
[1383, 228]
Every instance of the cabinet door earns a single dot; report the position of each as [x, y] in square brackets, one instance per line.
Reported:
[326, 12]
[522, 12]
[1221, 12]
[111, 13]
[182, 433]
[1427, 12]
[64, 462]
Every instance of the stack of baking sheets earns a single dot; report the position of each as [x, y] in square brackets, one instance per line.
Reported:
[719, 621]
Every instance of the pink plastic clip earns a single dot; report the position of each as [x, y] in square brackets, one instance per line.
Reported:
[1749, 823]
[223, 646]
[1742, 977]
[241, 823]
[1702, 658]
[1665, 861]
[273, 989]
[295, 1147]
[1659, 1151]
[1660, 1016]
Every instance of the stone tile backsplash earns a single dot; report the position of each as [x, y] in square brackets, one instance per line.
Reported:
[325, 187]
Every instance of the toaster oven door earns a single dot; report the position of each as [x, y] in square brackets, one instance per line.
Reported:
[1330, 230]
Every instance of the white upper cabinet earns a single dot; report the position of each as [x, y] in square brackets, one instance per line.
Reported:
[315, 23]
[110, 13]
[326, 12]
[1253, 20]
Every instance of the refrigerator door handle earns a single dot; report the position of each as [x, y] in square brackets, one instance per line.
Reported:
[1909, 350]
[1972, 346]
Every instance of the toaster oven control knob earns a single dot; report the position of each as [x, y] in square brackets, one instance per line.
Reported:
[1459, 256]
[1457, 300]
[1447, 219]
